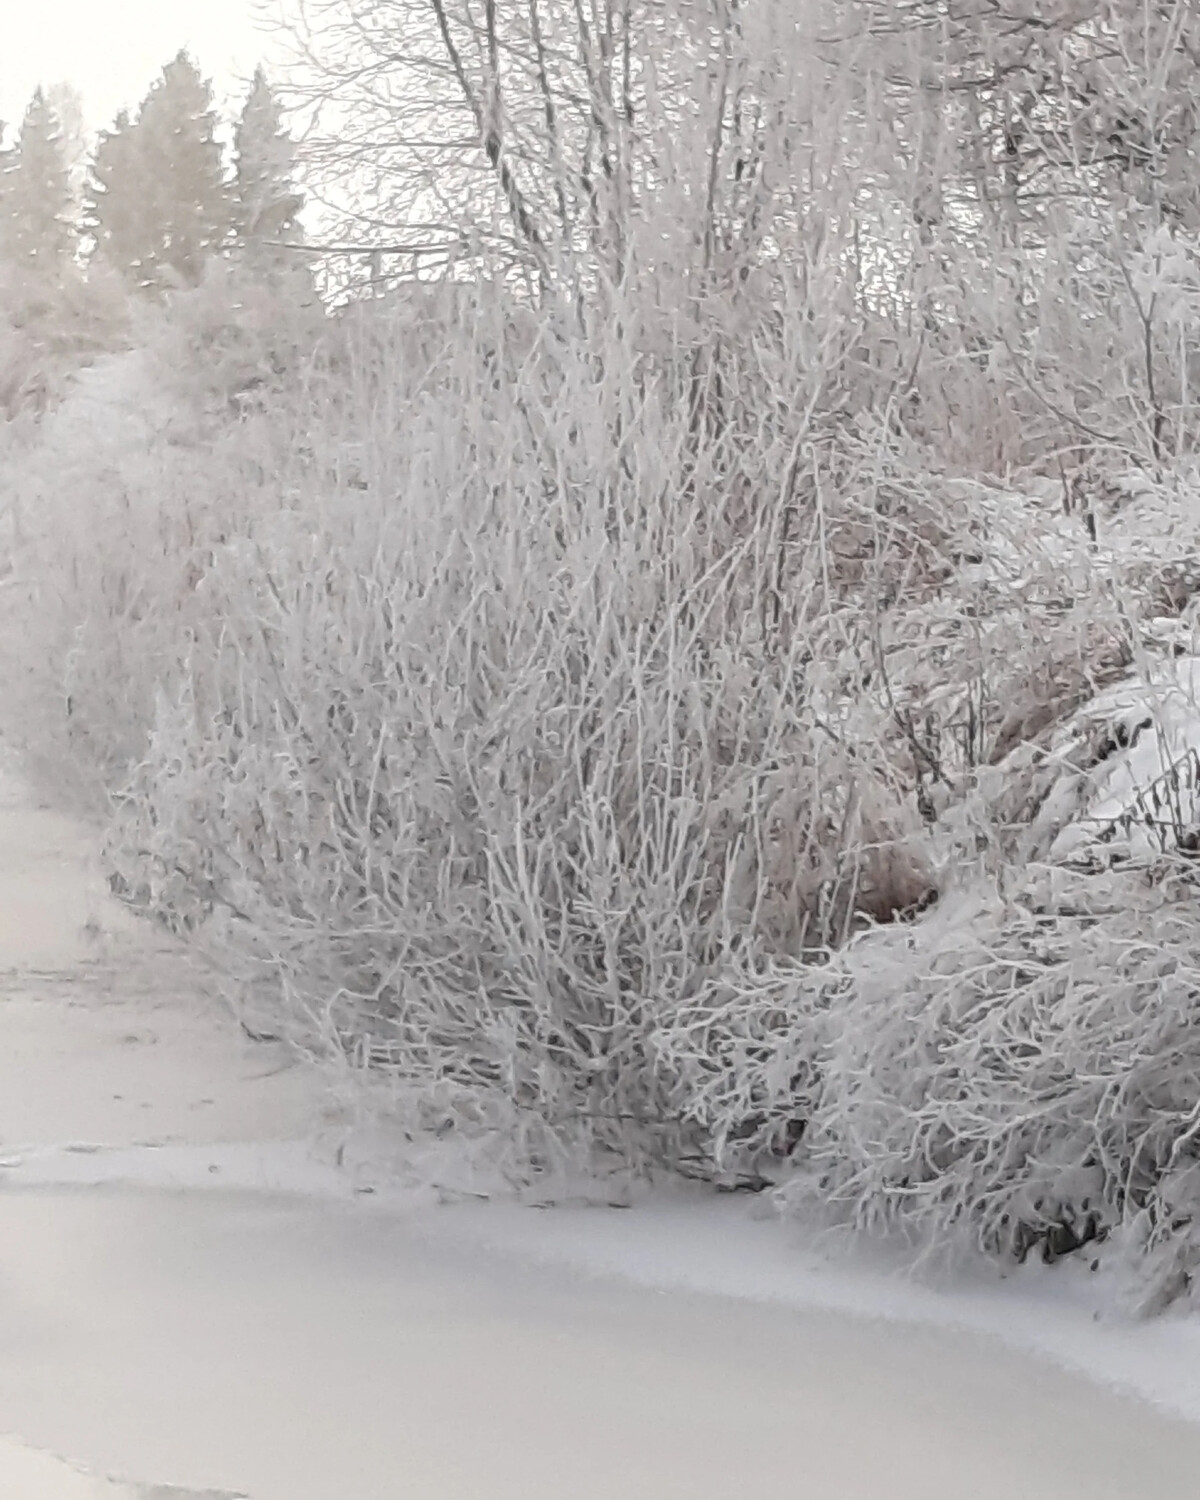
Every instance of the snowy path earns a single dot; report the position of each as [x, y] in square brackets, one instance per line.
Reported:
[319, 1346]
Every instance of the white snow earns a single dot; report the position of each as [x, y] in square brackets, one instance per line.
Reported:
[1145, 789]
[31, 1475]
[299, 1351]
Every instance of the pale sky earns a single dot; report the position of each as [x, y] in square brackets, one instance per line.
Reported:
[112, 50]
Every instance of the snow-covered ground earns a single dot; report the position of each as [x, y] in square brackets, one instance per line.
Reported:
[191, 1293]
[295, 1350]
[28, 1474]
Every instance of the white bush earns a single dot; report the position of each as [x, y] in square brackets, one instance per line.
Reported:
[477, 766]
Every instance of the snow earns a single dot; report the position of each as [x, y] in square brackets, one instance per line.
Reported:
[108, 1033]
[1131, 766]
[684, 1242]
[726, 1250]
[322, 1351]
[32, 1475]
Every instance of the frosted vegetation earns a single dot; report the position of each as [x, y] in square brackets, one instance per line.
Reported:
[679, 653]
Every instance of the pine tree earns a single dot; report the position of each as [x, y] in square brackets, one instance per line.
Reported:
[158, 205]
[116, 208]
[191, 201]
[267, 204]
[37, 232]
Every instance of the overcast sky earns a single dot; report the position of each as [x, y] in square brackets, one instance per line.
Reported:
[113, 49]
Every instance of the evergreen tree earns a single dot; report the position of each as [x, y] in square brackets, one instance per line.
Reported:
[158, 205]
[192, 208]
[266, 203]
[117, 208]
[37, 232]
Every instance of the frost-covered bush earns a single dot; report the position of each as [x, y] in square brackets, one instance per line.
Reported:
[1014, 1072]
[114, 498]
[47, 332]
[226, 346]
[1017, 1074]
[482, 747]
[1018, 1067]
